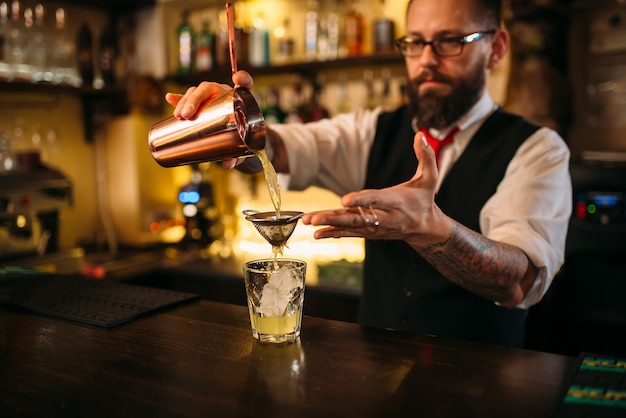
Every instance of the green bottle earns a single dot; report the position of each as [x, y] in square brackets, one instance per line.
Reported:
[185, 44]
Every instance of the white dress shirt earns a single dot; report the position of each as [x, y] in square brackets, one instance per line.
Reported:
[531, 206]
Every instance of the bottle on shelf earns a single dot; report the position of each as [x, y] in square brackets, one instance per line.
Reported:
[5, 66]
[272, 112]
[185, 39]
[259, 43]
[384, 31]
[354, 29]
[84, 53]
[18, 42]
[205, 48]
[285, 43]
[311, 30]
[328, 38]
[107, 55]
[64, 67]
[39, 49]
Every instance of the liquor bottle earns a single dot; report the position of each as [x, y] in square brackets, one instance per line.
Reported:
[272, 113]
[18, 44]
[185, 44]
[354, 30]
[311, 30]
[107, 55]
[384, 31]
[259, 45]
[5, 67]
[38, 51]
[333, 29]
[285, 47]
[64, 57]
[84, 51]
[205, 48]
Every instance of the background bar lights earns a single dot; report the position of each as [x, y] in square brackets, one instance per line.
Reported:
[192, 197]
[605, 200]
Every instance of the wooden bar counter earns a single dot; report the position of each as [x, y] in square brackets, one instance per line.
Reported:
[200, 360]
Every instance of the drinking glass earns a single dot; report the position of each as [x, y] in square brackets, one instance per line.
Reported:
[275, 294]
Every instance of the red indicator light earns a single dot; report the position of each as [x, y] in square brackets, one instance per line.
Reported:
[581, 210]
[155, 227]
[25, 201]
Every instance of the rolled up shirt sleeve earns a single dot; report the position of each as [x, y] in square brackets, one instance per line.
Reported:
[532, 206]
[331, 153]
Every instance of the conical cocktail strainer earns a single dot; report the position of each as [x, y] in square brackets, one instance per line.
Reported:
[273, 230]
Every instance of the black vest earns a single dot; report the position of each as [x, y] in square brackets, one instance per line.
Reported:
[401, 290]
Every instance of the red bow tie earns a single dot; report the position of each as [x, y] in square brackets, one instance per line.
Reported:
[436, 144]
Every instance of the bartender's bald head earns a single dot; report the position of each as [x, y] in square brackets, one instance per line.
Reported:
[486, 12]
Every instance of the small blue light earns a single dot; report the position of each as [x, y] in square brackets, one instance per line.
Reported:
[192, 197]
[605, 200]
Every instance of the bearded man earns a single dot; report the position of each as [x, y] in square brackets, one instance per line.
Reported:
[462, 236]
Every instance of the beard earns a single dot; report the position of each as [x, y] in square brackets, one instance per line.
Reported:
[437, 111]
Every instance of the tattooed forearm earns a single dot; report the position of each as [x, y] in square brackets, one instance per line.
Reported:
[482, 266]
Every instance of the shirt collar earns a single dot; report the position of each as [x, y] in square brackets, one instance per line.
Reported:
[481, 109]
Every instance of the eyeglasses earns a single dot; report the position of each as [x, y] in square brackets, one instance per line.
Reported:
[442, 47]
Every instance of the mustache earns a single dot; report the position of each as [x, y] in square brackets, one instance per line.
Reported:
[430, 75]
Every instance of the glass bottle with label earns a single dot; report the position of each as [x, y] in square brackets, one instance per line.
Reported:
[311, 30]
[285, 43]
[259, 43]
[185, 44]
[354, 29]
[205, 47]
[328, 38]
[384, 31]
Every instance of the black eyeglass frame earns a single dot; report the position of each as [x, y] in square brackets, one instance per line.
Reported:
[462, 40]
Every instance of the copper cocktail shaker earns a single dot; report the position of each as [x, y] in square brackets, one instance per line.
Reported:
[229, 127]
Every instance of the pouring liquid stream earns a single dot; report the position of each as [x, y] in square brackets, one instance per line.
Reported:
[274, 190]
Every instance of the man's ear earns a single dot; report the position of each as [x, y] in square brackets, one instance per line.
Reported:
[499, 47]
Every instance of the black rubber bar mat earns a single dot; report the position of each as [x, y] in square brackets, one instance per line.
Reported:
[94, 302]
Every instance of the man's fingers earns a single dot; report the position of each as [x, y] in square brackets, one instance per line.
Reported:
[243, 79]
[427, 168]
[173, 98]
